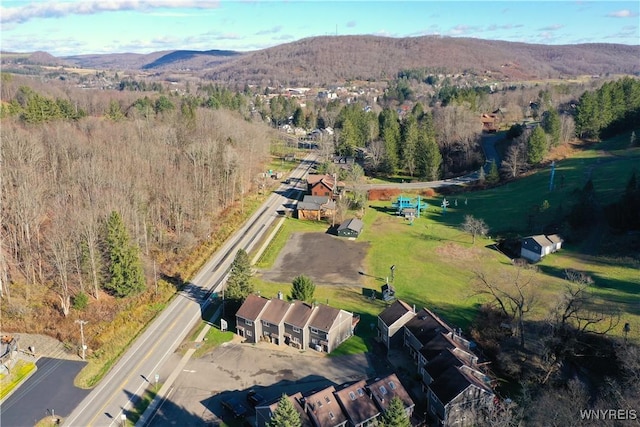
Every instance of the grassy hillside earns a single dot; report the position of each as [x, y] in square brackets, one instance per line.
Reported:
[436, 262]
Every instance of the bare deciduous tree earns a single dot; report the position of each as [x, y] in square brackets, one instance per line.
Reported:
[474, 226]
[512, 294]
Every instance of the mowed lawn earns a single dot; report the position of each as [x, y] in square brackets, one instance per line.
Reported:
[436, 263]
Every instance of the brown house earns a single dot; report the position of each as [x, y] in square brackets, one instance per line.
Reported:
[490, 122]
[324, 185]
[316, 208]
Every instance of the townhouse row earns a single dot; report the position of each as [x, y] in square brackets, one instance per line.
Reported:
[294, 323]
[458, 389]
[355, 404]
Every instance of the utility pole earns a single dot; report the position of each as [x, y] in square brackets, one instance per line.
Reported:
[84, 347]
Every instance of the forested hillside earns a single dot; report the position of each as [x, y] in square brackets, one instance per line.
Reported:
[152, 174]
[321, 61]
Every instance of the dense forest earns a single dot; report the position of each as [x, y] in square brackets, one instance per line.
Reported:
[96, 190]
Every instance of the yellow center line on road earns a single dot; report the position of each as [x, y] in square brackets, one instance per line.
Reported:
[134, 371]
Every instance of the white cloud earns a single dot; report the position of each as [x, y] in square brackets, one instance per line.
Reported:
[553, 27]
[461, 30]
[624, 13]
[57, 9]
[273, 30]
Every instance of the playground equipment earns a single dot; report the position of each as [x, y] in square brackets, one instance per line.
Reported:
[408, 207]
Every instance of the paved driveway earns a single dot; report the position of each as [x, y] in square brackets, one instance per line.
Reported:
[234, 368]
[51, 387]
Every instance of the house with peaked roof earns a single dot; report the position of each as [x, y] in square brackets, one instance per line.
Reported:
[324, 185]
[296, 324]
[391, 321]
[324, 410]
[248, 318]
[273, 320]
[534, 248]
[316, 208]
[384, 389]
[423, 327]
[329, 327]
[357, 404]
[457, 396]
[452, 377]
[264, 413]
[350, 228]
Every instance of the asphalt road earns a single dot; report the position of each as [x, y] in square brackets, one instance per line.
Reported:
[49, 388]
[117, 393]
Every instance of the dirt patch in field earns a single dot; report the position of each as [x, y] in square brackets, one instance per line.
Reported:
[326, 259]
[453, 251]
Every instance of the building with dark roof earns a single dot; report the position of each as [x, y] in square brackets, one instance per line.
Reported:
[423, 327]
[316, 208]
[297, 324]
[264, 413]
[391, 321]
[454, 380]
[350, 228]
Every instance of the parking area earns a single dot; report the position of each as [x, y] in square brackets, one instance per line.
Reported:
[326, 259]
[232, 370]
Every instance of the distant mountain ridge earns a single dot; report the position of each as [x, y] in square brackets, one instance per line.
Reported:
[184, 57]
[321, 61]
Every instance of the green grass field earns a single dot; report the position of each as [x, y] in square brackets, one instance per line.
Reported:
[436, 262]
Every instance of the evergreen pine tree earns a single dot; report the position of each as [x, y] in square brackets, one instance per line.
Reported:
[285, 414]
[239, 282]
[536, 146]
[494, 176]
[410, 133]
[551, 125]
[395, 416]
[390, 134]
[124, 268]
[428, 156]
[302, 288]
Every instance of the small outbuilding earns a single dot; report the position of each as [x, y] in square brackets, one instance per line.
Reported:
[534, 248]
[350, 228]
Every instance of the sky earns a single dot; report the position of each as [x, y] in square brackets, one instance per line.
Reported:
[74, 27]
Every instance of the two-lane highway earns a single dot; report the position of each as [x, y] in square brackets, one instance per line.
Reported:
[127, 380]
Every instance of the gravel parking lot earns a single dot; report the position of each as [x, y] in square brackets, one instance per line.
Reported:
[233, 369]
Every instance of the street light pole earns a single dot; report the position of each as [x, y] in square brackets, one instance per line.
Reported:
[84, 347]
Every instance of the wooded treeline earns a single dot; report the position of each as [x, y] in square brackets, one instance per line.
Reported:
[166, 175]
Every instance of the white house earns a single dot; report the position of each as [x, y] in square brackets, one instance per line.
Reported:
[534, 248]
